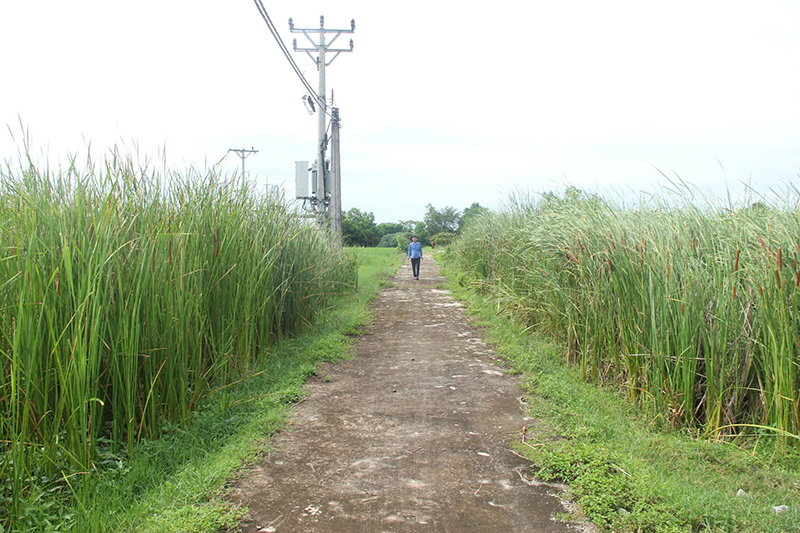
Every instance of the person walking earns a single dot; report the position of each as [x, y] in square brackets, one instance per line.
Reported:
[415, 255]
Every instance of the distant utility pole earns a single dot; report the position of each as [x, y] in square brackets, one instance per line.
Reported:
[322, 48]
[243, 153]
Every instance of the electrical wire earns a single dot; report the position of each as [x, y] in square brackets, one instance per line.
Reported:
[273, 30]
[264, 15]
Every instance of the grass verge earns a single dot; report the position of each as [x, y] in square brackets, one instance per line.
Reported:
[625, 472]
[176, 483]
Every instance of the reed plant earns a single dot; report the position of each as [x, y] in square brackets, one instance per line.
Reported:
[691, 308]
[127, 294]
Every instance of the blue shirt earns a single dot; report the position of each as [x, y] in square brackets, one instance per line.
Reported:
[415, 250]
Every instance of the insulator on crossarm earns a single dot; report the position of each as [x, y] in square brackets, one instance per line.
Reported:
[353, 24]
[291, 24]
[321, 21]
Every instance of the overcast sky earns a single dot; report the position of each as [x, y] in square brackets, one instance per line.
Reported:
[440, 102]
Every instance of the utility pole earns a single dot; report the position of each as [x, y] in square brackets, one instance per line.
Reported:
[322, 47]
[243, 153]
[336, 178]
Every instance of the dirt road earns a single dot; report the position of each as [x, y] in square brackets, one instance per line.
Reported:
[409, 436]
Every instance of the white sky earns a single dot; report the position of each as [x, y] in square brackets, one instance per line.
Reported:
[440, 103]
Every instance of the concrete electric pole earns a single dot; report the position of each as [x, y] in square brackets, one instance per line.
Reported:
[336, 178]
[243, 153]
[322, 47]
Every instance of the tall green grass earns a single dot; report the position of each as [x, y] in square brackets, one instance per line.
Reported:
[692, 310]
[127, 294]
[176, 483]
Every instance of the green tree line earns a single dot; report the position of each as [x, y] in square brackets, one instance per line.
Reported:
[438, 225]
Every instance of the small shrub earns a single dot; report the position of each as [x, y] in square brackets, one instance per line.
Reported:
[390, 240]
[443, 239]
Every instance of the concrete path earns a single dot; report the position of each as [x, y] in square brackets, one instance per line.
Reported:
[410, 436]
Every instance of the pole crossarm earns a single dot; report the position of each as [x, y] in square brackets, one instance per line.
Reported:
[316, 46]
[243, 153]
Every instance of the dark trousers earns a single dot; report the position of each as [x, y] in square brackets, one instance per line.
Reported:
[415, 266]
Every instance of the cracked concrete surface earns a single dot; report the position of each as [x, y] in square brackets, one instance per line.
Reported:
[409, 436]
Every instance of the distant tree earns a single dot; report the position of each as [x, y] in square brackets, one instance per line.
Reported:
[408, 225]
[388, 228]
[359, 229]
[422, 232]
[419, 229]
[441, 220]
[469, 214]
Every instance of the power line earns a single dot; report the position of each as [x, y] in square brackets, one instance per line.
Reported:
[262, 10]
[319, 98]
